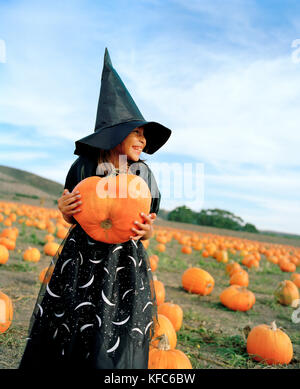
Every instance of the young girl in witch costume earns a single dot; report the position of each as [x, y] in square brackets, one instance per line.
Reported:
[99, 309]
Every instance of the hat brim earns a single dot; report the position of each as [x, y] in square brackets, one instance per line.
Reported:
[109, 137]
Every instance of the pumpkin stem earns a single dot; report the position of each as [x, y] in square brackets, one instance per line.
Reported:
[163, 344]
[273, 326]
[106, 224]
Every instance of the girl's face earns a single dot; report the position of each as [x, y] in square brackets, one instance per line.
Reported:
[133, 144]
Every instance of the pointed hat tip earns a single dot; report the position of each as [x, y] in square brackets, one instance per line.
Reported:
[107, 59]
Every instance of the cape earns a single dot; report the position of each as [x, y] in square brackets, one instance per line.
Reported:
[84, 167]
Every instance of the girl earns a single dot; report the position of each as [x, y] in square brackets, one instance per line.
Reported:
[99, 308]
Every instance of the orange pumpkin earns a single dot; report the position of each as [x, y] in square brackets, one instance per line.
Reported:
[295, 277]
[173, 312]
[160, 292]
[6, 312]
[163, 357]
[239, 278]
[233, 267]
[46, 274]
[186, 249]
[51, 248]
[111, 205]
[10, 244]
[287, 293]
[237, 298]
[287, 266]
[164, 326]
[160, 247]
[199, 281]
[32, 254]
[4, 254]
[153, 263]
[269, 344]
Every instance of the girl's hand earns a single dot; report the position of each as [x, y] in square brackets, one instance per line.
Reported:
[67, 202]
[145, 230]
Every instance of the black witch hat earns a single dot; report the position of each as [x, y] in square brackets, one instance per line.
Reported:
[117, 116]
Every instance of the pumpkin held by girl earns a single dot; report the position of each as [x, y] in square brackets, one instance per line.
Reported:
[111, 205]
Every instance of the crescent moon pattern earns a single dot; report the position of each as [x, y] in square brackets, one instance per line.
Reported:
[59, 314]
[148, 325]
[90, 243]
[41, 309]
[73, 240]
[133, 241]
[64, 324]
[140, 262]
[100, 260]
[99, 320]
[137, 329]
[118, 268]
[64, 264]
[134, 261]
[88, 283]
[51, 293]
[149, 303]
[149, 269]
[84, 303]
[55, 333]
[106, 299]
[120, 323]
[127, 291]
[142, 288]
[115, 346]
[117, 248]
[86, 326]
[106, 270]
[81, 259]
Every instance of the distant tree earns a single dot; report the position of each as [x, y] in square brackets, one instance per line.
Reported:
[183, 214]
[250, 228]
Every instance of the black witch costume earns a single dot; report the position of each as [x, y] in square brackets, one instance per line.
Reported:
[99, 308]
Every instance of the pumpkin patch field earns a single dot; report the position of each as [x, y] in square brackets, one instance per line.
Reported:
[224, 301]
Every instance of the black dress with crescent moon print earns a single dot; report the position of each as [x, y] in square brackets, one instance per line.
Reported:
[99, 308]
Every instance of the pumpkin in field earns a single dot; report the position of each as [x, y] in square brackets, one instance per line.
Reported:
[32, 254]
[221, 256]
[173, 312]
[269, 344]
[186, 249]
[9, 233]
[46, 274]
[287, 266]
[62, 232]
[163, 357]
[111, 205]
[232, 267]
[239, 278]
[4, 254]
[237, 298]
[160, 247]
[10, 244]
[6, 312]
[51, 248]
[49, 238]
[153, 262]
[164, 326]
[287, 293]
[295, 278]
[160, 292]
[199, 281]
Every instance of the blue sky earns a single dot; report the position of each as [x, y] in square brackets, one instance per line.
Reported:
[223, 75]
